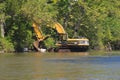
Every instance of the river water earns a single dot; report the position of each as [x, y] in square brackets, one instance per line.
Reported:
[61, 66]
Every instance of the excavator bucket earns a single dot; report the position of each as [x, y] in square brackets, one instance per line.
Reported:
[36, 45]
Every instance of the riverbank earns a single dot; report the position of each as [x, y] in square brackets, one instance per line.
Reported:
[89, 53]
[104, 53]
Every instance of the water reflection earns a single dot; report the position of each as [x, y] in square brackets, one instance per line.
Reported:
[59, 67]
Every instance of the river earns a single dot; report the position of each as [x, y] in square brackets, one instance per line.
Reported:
[58, 66]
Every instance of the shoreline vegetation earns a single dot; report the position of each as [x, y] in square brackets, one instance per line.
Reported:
[89, 53]
[104, 53]
[97, 20]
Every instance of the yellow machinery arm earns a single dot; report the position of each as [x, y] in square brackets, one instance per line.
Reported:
[39, 36]
[59, 28]
[38, 32]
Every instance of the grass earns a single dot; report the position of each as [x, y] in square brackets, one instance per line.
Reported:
[104, 53]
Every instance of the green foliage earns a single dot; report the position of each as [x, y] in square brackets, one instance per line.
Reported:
[98, 20]
[18, 27]
[38, 10]
[102, 16]
[50, 42]
[71, 15]
[2, 8]
[6, 45]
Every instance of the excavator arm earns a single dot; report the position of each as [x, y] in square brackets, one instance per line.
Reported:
[38, 32]
[60, 30]
[39, 36]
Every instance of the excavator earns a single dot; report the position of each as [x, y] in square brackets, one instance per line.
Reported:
[63, 43]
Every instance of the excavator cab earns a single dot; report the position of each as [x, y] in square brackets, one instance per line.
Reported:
[63, 37]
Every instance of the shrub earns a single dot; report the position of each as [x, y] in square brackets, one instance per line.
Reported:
[50, 42]
[6, 45]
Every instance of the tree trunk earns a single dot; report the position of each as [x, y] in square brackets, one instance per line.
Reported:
[2, 29]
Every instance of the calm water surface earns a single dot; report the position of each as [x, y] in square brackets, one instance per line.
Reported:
[36, 66]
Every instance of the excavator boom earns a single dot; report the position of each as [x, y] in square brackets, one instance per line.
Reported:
[59, 28]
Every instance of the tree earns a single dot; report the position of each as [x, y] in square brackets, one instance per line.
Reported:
[38, 10]
[18, 27]
[2, 18]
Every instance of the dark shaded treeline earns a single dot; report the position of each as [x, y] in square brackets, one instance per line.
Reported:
[98, 20]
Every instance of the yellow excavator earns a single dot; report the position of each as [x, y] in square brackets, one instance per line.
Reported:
[65, 44]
